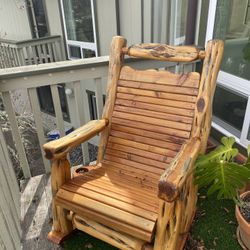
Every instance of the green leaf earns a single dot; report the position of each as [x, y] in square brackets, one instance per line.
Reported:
[219, 173]
[223, 178]
[224, 152]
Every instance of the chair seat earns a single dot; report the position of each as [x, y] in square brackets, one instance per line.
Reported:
[122, 200]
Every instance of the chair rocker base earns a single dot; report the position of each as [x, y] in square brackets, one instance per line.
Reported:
[107, 234]
[58, 237]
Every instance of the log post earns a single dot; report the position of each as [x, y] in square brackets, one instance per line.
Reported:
[203, 110]
[60, 173]
[115, 64]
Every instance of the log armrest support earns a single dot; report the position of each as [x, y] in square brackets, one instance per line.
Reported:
[174, 177]
[59, 148]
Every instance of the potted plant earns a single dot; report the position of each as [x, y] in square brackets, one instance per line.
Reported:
[222, 175]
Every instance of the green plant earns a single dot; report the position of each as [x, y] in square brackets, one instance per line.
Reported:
[220, 173]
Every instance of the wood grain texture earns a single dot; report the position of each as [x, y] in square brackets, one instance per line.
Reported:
[59, 148]
[203, 110]
[60, 173]
[164, 77]
[104, 233]
[175, 176]
[115, 64]
[158, 124]
[164, 52]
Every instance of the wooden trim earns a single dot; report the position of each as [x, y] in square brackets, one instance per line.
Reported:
[175, 176]
[115, 238]
[115, 64]
[60, 173]
[203, 110]
[164, 52]
[59, 148]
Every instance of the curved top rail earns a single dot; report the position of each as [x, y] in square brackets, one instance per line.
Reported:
[165, 52]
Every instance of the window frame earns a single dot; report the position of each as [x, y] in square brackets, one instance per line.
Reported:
[229, 81]
[79, 44]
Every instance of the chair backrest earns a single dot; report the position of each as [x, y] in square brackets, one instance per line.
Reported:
[152, 113]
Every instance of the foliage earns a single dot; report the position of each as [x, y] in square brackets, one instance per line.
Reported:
[218, 171]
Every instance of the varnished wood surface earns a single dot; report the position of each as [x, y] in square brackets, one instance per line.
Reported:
[114, 196]
[58, 148]
[164, 52]
[158, 124]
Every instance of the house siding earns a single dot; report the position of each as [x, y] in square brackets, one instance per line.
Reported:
[14, 22]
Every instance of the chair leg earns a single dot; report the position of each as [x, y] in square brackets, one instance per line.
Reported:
[175, 219]
[62, 227]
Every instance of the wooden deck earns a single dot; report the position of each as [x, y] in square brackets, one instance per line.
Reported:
[36, 219]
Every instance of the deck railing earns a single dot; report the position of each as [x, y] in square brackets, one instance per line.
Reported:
[32, 51]
[76, 73]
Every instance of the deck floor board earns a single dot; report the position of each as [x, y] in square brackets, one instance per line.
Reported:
[36, 213]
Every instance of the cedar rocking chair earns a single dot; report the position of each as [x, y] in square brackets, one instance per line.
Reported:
[140, 195]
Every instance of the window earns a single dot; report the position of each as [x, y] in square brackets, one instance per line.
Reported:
[92, 104]
[37, 18]
[232, 97]
[46, 101]
[178, 20]
[229, 109]
[79, 25]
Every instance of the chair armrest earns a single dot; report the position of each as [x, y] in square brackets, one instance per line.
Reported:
[58, 148]
[172, 180]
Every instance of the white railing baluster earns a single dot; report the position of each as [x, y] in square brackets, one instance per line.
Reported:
[39, 51]
[50, 52]
[39, 124]
[33, 49]
[21, 57]
[58, 109]
[29, 54]
[16, 135]
[99, 97]
[81, 116]
[45, 53]
[56, 52]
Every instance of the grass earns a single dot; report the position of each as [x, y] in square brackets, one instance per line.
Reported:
[215, 223]
[214, 227]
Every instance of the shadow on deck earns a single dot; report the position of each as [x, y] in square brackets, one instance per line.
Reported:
[36, 219]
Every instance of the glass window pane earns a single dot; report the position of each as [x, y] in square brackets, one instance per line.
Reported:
[74, 52]
[182, 6]
[230, 108]
[87, 53]
[78, 19]
[233, 24]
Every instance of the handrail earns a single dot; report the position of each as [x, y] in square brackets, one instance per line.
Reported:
[30, 51]
[79, 75]
[29, 41]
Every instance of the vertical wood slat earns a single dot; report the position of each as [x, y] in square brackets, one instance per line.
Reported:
[40, 58]
[58, 109]
[28, 55]
[16, 56]
[99, 98]
[21, 57]
[50, 52]
[16, 135]
[45, 53]
[33, 48]
[55, 51]
[39, 124]
[81, 117]
[9, 175]
[10, 230]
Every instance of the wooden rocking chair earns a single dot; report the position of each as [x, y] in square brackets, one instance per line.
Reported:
[154, 125]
